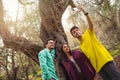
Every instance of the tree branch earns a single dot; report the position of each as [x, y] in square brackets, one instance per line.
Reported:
[25, 3]
[29, 48]
[98, 2]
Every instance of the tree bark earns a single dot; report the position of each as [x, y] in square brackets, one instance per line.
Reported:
[51, 13]
[28, 47]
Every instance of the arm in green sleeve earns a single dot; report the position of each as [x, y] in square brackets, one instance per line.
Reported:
[43, 65]
[53, 53]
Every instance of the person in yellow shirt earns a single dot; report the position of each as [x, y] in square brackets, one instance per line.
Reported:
[99, 57]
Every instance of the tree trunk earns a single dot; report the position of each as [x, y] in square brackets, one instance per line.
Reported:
[28, 47]
[51, 13]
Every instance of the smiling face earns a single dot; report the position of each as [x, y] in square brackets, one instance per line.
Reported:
[65, 48]
[76, 33]
[50, 44]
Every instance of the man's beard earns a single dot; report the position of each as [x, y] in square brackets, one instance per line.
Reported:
[52, 47]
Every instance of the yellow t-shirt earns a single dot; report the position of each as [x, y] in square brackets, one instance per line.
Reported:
[94, 50]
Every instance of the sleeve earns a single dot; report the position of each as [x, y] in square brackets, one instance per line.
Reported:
[91, 33]
[65, 72]
[53, 53]
[42, 61]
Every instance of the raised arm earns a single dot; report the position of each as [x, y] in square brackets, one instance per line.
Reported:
[87, 16]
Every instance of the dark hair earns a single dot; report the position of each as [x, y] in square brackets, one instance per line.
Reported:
[74, 27]
[63, 55]
[46, 41]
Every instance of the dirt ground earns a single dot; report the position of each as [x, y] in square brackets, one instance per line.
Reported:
[117, 60]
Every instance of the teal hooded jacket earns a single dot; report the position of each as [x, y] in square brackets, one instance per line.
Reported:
[46, 60]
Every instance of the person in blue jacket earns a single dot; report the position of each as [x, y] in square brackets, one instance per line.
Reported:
[46, 60]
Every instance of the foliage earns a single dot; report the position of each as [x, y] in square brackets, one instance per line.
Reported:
[36, 75]
[27, 27]
[105, 16]
[115, 51]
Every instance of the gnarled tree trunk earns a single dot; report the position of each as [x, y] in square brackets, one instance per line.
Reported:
[28, 47]
[51, 13]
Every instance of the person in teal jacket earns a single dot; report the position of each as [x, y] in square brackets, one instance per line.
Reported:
[46, 60]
